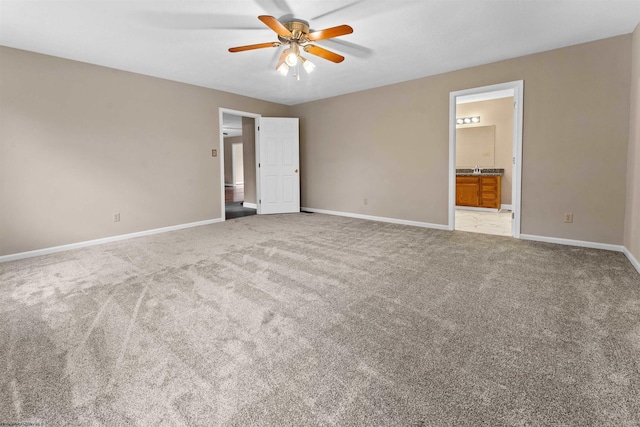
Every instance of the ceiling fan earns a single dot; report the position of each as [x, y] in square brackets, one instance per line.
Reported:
[296, 36]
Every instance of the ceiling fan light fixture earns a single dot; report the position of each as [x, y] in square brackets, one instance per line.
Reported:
[294, 35]
[308, 65]
[291, 60]
[292, 57]
[283, 69]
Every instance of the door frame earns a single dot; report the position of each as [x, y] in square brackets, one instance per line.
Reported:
[256, 118]
[516, 189]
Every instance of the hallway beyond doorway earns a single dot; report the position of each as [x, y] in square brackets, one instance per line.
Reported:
[234, 199]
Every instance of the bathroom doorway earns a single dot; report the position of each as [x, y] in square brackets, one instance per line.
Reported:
[485, 152]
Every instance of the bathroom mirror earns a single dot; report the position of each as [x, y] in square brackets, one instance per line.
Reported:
[475, 146]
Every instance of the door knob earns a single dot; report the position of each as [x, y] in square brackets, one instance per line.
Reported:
[296, 171]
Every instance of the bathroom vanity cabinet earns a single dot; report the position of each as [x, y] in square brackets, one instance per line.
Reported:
[479, 191]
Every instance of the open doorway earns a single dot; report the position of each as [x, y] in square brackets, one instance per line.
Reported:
[238, 165]
[271, 183]
[485, 152]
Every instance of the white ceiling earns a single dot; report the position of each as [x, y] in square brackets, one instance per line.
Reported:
[393, 41]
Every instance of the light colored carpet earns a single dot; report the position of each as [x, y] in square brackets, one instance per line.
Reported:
[309, 319]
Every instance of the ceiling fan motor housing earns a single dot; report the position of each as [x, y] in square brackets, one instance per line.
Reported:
[299, 31]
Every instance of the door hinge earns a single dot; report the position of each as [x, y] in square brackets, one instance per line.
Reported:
[258, 128]
[260, 201]
[513, 215]
[258, 164]
[514, 160]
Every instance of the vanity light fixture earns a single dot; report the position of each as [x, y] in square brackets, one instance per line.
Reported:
[467, 120]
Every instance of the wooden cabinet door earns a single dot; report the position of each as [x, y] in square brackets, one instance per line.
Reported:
[467, 191]
[490, 194]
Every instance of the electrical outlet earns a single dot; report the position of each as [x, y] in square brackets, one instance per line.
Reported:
[568, 217]
[366, 201]
[116, 217]
[214, 153]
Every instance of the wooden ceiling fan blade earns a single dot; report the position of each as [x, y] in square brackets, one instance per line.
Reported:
[330, 33]
[275, 25]
[323, 53]
[253, 46]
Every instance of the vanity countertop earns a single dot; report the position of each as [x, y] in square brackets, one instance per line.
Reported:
[484, 172]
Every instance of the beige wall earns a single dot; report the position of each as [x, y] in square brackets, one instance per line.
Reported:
[249, 152]
[390, 144]
[632, 217]
[228, 167]
[81, 142]
[498, 112]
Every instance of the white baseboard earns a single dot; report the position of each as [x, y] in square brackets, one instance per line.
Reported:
[378, 218]
[46, 251]
[250, 205]
[471, 208]
[631, 258]
[581, 243]
[507, 207]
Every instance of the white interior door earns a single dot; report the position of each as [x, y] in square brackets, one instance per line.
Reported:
[279, 164]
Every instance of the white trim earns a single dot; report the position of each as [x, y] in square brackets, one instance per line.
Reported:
[516, 172]
[54, 249]
[452, 161]
[504, 206]
[250, 205]
[631, 258]
[378, 218]
[485, 96]
[518, 88]
[472, 208]
[581, 243]
[256, 116]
